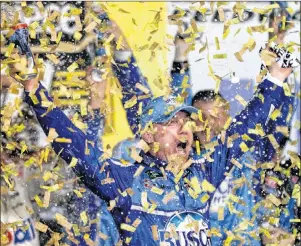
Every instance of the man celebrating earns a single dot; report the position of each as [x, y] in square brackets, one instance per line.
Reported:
[163, 197]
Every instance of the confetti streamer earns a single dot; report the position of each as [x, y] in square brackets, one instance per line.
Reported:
[40, 226]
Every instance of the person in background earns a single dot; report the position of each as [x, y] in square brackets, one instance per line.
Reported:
[17, 216]
[215, 110]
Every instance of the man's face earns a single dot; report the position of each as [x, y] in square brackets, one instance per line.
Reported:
[215, 113]
[173, 137]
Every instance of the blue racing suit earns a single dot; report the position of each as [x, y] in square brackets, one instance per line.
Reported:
[130, 74]
[148, 203]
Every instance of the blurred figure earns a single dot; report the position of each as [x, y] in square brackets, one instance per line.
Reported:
[215, 113]
[17, 219]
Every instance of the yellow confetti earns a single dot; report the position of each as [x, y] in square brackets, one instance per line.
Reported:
[144, 201]
[38, 201]
[139, 171]
[178, 176]
[297, 193]
[156, 147]
[273, 141]
[127, 227]
[219, 56]
[46, 199]
[168, 197]
[276, 113]
[217, 43]
[84, 217]
[250, 45]
[220, 214]
[287, 90]
[102, 236]
[157, 190]
[274, 199]
[73, 162]
[62, 220]
[206, 186]
[41, 7]
[53, 58]
[119, 43]
[142, 88]
[135, 155]
[268, 57]
[9, 50]
[78, 193]
[131, 102]
[72, 67]
[221, 13]
[155, 232]
[40, 226]
[59, 36]
[77, 35]
[236, 163]
[243, 147]
[63, 140]
[197, 146]
[241, 100]
[205, 198]
[238, 31]
[90, 27]
[238, 56]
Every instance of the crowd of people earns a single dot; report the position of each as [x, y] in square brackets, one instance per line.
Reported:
[156, 188]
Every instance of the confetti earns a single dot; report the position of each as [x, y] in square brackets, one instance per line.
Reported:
[72, 67]
[84, 217]
[221, 14]
[219, 56]
[63, 140]
[142, 88]
[217, 43]
[241, 100]
[220, 213]
[38, 201]
[273, 141]
[40, 226]
[168, 197]
[127, 227]
[61, 220]
[144, 201]
[206, 186]
[197, 146]
[155, 232]
[131, 102]
[135, 155]
[236, 163]
[46, 199]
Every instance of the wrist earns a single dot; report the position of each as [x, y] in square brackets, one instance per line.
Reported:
[180, 67]
[30, 85]
[274, 78]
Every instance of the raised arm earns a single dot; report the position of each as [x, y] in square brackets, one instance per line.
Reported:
[104, 177]
[271, 107]
[131, 78]
[95, 119]
[254, 128]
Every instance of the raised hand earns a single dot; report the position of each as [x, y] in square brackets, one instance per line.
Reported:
[97, 88]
